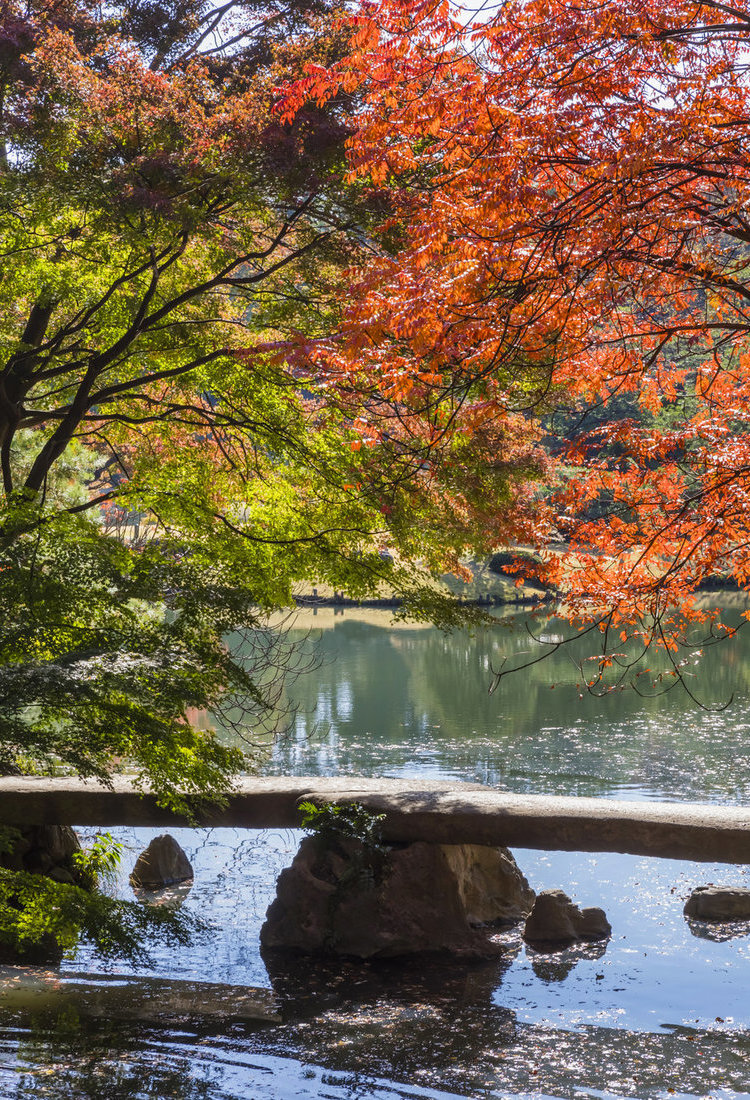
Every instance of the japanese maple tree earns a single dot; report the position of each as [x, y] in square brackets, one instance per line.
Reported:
[569, 187]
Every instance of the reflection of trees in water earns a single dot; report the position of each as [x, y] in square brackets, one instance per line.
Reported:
[59, 1060]
[359, 688]
[418, 699]
[444, 1027]
[274, 657]
[404, 1020]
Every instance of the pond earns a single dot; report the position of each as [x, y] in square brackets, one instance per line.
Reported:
[660, 1011]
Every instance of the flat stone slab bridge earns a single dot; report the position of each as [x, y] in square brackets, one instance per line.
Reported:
[442, 813]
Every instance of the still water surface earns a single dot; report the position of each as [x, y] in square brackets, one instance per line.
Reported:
[660, 1012]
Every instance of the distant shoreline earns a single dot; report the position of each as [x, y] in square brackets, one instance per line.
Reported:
[389, 603]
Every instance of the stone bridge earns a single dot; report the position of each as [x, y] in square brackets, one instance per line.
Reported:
[443, 813]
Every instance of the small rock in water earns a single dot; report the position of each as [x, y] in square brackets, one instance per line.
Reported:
[718, 903]
[161, 864]
[555, 921]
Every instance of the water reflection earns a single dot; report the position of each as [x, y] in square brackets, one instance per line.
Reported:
[336, 1057]
[139, 1065]
[403, 1020]
[603, 1062]
[719, 932]
[516, 1026]
[415, 702]
[555, 966]
[170, 897]
[304, 984]
[56, 1052]
[440, 1026]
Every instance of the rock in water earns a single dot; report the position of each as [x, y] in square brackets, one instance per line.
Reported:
[60, 841]
[41, 849]
[330, 902]
[45, 850]
[718, 903]
[556, 921]
[492, 888]
[161, 864]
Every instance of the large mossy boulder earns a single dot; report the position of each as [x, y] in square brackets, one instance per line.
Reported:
[338, 898]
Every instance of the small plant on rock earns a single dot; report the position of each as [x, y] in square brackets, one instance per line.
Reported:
[350, 821]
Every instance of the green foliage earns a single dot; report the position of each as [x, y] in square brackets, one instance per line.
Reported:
[351, 821]
[8, 838]
[38, 914]
[159, 487]
[94, 664]
[41, 919]
[98, 864]
[166, 477]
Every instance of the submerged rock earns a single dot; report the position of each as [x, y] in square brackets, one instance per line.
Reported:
[165, 897]
[121, 997]
[718, 903]
[718, 931]
[161, 864]
[555, 963]
[556, 921]
[417, 899]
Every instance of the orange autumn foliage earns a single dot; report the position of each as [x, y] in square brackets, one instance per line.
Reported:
[568, 190]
